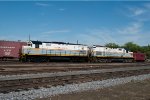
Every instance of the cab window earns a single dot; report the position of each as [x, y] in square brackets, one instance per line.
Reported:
[36, 45]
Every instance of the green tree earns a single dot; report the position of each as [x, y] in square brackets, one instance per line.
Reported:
[146, 50]
[132, 47]
[112, 45]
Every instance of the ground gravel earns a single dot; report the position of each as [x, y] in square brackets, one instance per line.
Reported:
[45, 92]
[41, 75]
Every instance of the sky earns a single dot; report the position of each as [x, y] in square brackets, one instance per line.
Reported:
[88, 22]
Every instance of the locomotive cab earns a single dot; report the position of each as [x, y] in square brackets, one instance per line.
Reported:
[29, 44]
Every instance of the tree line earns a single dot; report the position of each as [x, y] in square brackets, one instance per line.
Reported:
[132, 47]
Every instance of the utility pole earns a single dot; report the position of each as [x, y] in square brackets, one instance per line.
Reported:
[29, 37]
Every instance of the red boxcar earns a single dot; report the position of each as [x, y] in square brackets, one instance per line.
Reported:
[139, 57]
[10, 49]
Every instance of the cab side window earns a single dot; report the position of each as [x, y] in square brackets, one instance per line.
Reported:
[36, 45]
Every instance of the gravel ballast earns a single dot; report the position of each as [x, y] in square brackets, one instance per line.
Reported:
[45, 92]
[41, 75]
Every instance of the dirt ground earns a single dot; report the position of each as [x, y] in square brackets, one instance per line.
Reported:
[131, 91]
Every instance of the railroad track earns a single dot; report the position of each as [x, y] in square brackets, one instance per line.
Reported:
[67, 63]
[58, 74]
[27, 68]
[7, 86]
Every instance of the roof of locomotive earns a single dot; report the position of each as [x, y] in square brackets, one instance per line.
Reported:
[36, 42]
[40, 42]
[98, 46]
